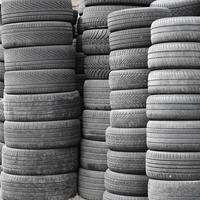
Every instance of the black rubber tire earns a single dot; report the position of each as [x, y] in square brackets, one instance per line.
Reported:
[96, 16]
[173, 166]
[128, 79]
[131, 18]
[126, 162]
[173, 107]
[42, 107]
[173, 135]
[43, 57]
[179, 8]
[128, 99]
[97, 67]
[91, 184]
[40, 81]
[126, 184]
[97, 95]
[60, 187]
[2, 71]
[1, 89]
[118, 2]
[95, 123]
[130, 38]
[36, 34]
[2, 132]
[109, 196]
[19, 11]
[80, 57]
[39, 162]
[96, 42]
[2, 118]
[93, 155]
[129, 59]
[42, 135]
[177, 55]
[177, 29]
[173, 190]
[126, 139]
[129, 118]
[178, 81]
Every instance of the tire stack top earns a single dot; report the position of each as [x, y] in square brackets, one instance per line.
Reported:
[173, 108]
[126, 137]
[41, 105]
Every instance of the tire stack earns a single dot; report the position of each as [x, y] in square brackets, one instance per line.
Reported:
[126, 137]
[173, 108]
[41, 105]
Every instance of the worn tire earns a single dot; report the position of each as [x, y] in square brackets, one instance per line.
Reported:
[177, 29]
[93, 155]
[97, 95]
[126, 139]
[126, 184]
[42, 135]
[173, 136]
[60, 187]
[95, 123]
[36, 34]
[177, 55]
[131, 18]
[126, 162]
[129, 118]
[42, 107]
[91, 184]
[130, 38]
[173, 107]
[129, 59]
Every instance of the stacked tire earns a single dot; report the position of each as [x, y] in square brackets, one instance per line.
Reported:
[173, 132]
[41, 105]
[126, 137]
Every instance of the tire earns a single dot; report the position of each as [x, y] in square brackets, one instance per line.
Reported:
[60, 187]
[178, 81]
[131, 18]
[95, 17]
[128, 79]
[40, 57]
[173, 190]
[39, 162]
[130, 38]
[124, 59]
[178, 29]
[110, 196]
[2, 71]
[2, 132]
[40, 81]
[126, 162]
[93, 155]
[128, 99]
[129, 118]
[97, 95]
[80, 57]
[42, 107]
[126, 184]
[173, 107]
[173, 166]
[42, 135]
[97, 67]
[19, 11]
[1, 89]
[96, 42]
[95, 123]
[2, 118]
[126, 139]
[91, 184]
[168, 55]
[180, 8]
[173, 136]
[118, 2]
[29, 34]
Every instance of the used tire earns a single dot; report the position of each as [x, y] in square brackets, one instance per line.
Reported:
[60, 187]
[42, 135]
[42, 107]
[36, 34]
